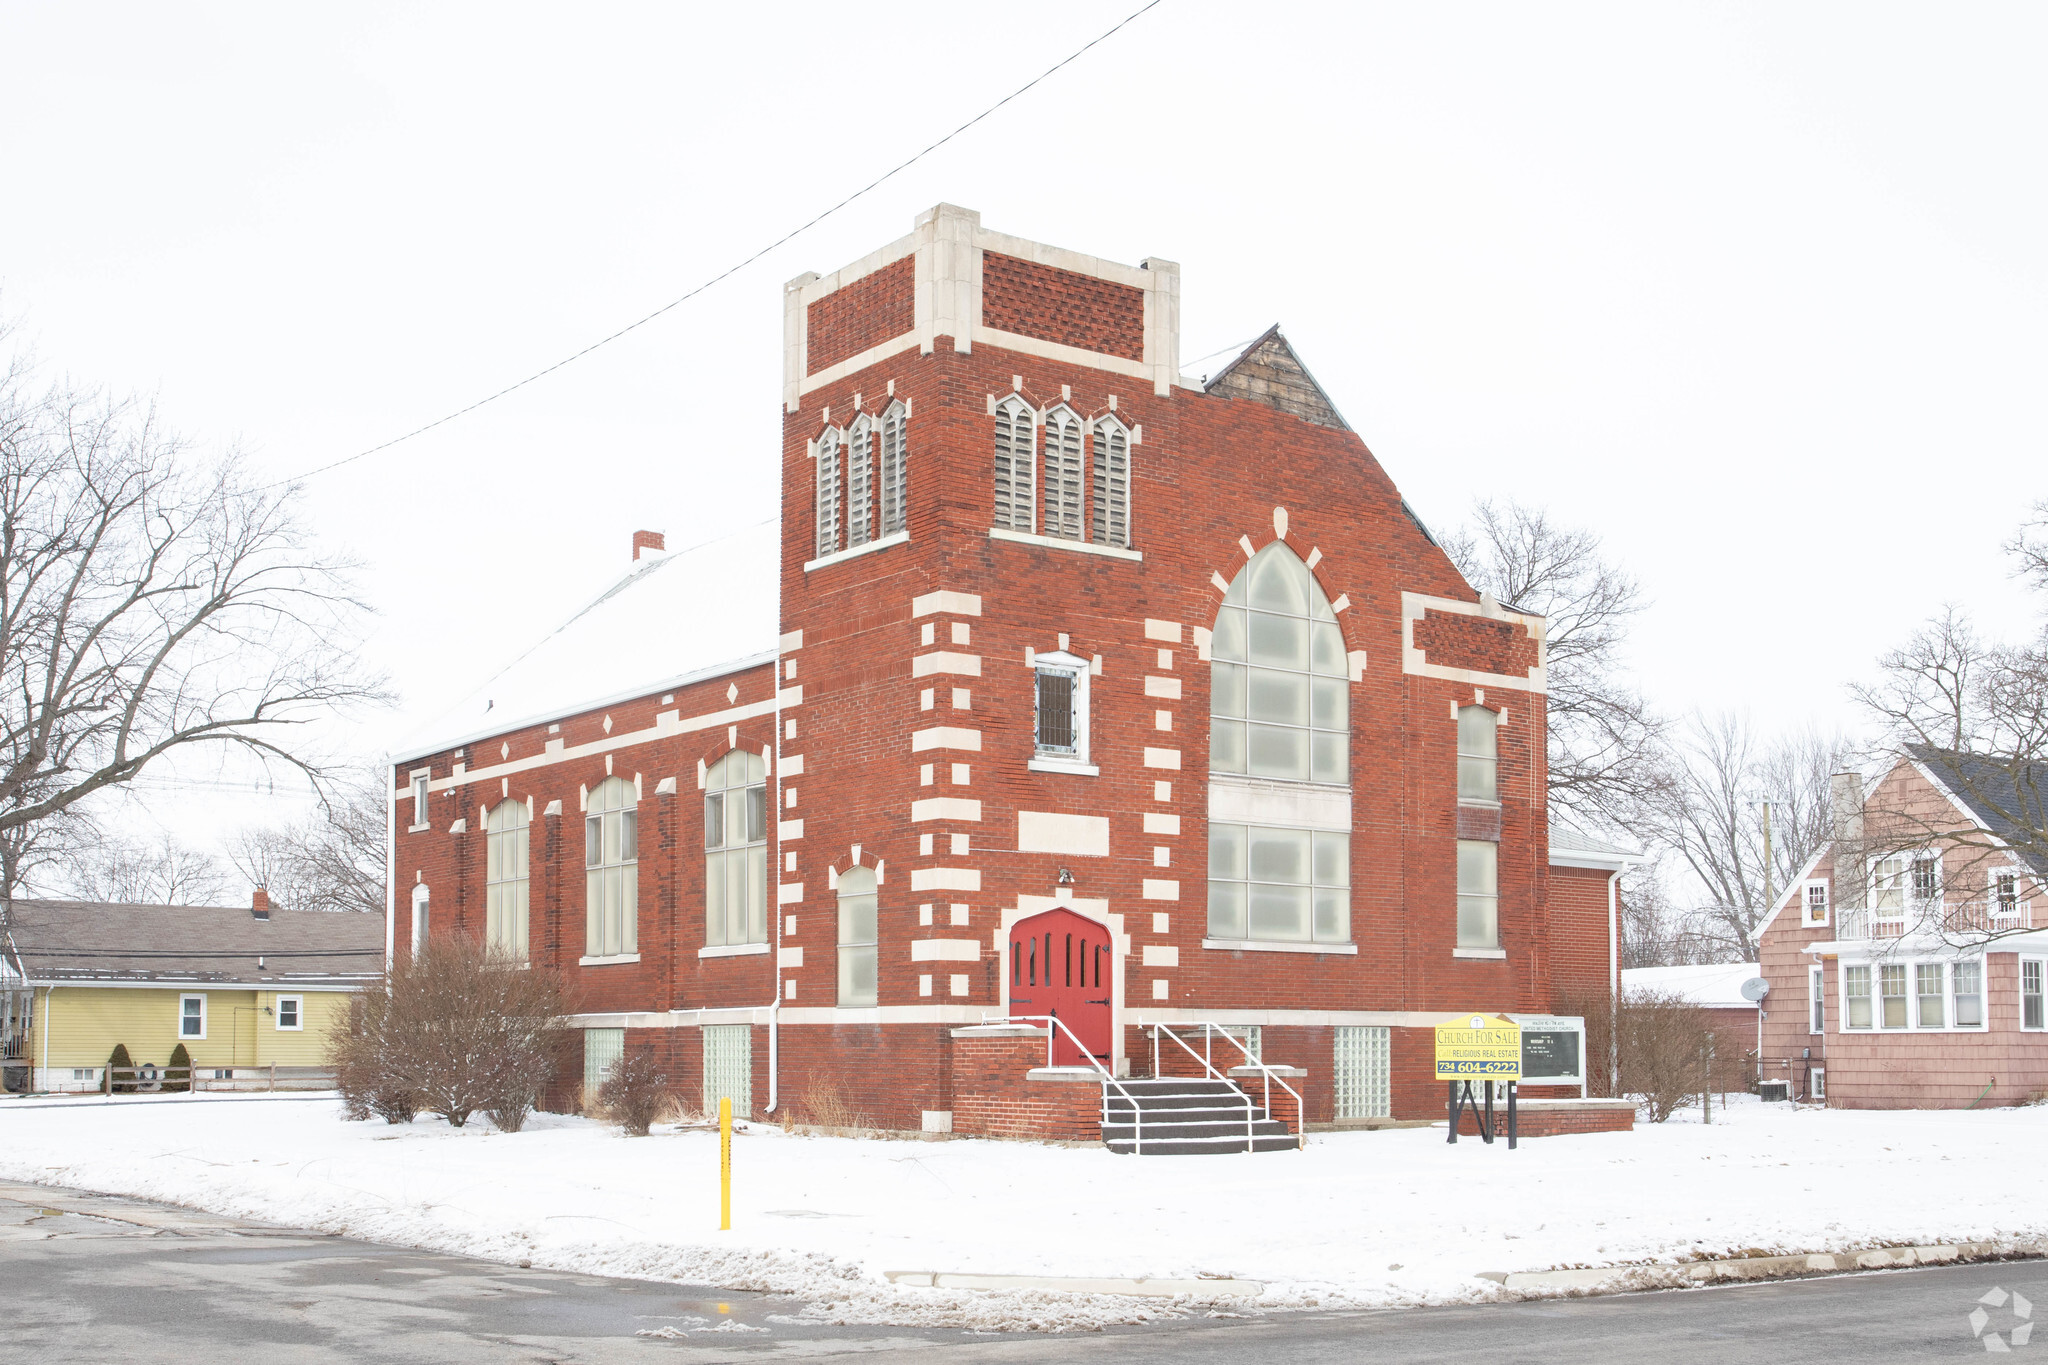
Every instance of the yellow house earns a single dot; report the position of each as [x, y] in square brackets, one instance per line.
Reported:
[241, 989]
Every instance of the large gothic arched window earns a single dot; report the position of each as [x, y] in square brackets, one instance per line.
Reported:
[505, 880]
[1279, 706]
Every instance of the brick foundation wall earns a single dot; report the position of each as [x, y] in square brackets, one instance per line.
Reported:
[1554, 1119]
[993, 1096]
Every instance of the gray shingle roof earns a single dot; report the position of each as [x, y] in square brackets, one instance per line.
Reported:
[83, 941]
[2007, 801]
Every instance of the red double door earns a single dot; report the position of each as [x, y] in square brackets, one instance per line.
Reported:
[1061, 964]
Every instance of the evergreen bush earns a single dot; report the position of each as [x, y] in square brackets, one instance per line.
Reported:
[120, 1062]
[178, 1071]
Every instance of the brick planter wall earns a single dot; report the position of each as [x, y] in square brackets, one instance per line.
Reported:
[993, 1096]
[1550, 1118]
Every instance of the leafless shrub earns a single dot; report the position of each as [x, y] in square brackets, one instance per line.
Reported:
[1660, 1043]
[635, 1094]
[452, 1030]
[825, 1105]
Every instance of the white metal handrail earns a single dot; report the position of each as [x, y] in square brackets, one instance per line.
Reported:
[1137, 1111]
[1209, 1030]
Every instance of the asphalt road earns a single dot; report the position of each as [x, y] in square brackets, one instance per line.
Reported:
[90, 1278]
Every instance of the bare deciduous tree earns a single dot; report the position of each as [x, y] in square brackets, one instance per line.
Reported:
[1710, 813]
[1603, 737]
[151, 602]
[127, 872]
[1974, 713]
[332, 861]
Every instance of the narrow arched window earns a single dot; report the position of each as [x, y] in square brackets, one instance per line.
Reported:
[505, 880]
[825, 450]
[736, 850]
[1112, 460]
[1279, 710]
[857, 936]
[860, 481]
[1064, 478]
[1016, 463]
[611, 857]
[895, 476]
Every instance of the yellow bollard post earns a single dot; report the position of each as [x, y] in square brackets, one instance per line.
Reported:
[725, 1164]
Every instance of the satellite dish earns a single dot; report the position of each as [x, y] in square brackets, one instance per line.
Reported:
[1755, 989]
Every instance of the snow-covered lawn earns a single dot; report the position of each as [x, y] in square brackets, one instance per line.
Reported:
[1358, 1219]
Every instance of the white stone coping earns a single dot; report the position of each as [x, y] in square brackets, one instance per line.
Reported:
[1256, 945]
[1275, 1071]
[1073, 1075]
[1001, 1031]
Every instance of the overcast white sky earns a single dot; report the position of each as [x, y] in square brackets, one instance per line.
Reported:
[1754, 290]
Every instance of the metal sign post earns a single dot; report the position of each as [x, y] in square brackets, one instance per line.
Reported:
[1479, 1047]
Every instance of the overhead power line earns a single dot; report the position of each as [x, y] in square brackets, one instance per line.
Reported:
[738, 266]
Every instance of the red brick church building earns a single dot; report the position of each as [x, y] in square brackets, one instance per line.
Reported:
[1063, 683]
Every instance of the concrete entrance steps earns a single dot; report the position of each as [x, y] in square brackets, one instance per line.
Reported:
[1176, 1116]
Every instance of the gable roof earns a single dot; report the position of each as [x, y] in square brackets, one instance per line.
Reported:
[86, 942]
[1268, 371]
[669, 620]
[1716, 985]
[1995, 796]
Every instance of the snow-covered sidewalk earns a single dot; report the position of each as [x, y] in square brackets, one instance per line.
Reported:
[1357, 1220]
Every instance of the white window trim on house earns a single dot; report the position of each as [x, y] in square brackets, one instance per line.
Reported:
[1912, 967]
[1816, 999]
[298, 1014]
[422, 816]
[1807, 901]
[421, 910]
[201, 1035]
[2040, 965]
[841, 556]
[1055, 760]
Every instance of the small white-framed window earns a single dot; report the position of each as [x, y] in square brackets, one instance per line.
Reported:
[1926, 882]
[1817, 999]
[420, 907]
[1814, 897]
[1888, 888]
[1016, 459]
[2033, 1006]
[1478, 893]
[1967, 984]
[1891, 995]
[291, 1013]
[2005, 893]
[191, 1016]
[1856, 1011]
[421, 815]
[1930, 994]
[857, 938]
[1059, 708]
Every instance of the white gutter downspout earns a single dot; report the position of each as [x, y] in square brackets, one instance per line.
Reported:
[44, 1027]
[775, 963]
[1613, 978]
[390, 867]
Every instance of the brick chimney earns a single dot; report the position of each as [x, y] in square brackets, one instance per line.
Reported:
[647, 540]
[259, 904]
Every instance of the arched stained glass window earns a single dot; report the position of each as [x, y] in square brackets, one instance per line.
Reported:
[1279, 698]
[736, 850]
[505, 880]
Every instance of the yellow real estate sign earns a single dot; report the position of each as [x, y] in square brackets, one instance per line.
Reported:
[1478, 1047]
